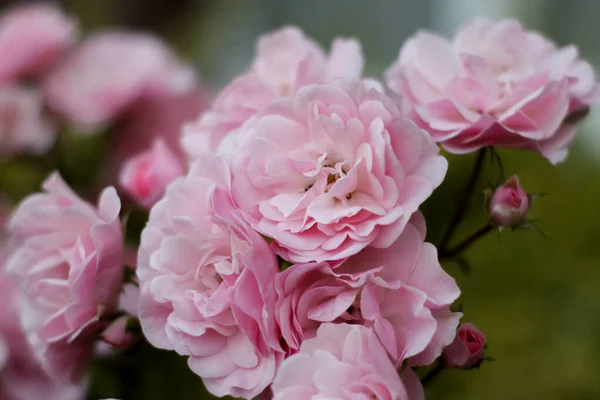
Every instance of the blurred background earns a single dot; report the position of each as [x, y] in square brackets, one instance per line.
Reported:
[537, 299]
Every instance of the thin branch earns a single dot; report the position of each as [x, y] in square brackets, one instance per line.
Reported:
[432, 373]
[464, 202]
[465, 244]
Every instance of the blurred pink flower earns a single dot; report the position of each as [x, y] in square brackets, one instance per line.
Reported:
[332, 170]
[68, 257]
[203, 272]
[32, 37]
[286, 60]
[494, 84]
[467, 349]
[109, 72]
[341, 362]
[23, 126]
[401, 291]
[22, 375]
[146, 176]
[509, 203]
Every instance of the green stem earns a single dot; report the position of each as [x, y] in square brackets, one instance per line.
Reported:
[432, 373]
[463, 203]
[466, 243]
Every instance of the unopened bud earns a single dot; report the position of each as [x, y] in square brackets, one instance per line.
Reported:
[509, 203]
[146, 176]
[117, 334]
[466, 351]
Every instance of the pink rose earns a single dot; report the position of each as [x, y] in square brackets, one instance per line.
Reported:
[24, 128]
[32, 37]
[509, 204]
[409, 303]
[401, 291]
[495, 84]
[146, 176]
[109, 72]
[332, 170]
[69, 261]
[22, 376]
[467, 349]
[286, 60]
[203, 274]
[342, 362]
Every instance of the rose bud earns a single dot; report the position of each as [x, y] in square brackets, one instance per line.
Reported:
[117, 334]
[466, 351]
[146, 175]
[509, 203]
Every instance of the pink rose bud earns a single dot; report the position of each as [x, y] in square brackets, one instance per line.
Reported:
[146, 176]
[117, 334]
[509, 204]
[467, 348]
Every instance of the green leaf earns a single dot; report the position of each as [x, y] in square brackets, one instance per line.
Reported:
[268, 239]
[284, 264]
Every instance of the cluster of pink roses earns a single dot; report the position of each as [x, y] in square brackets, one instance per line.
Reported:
[296, 257]
[285, 252]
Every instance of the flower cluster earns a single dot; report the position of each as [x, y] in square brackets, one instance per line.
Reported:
[302, 229]
[285, 253]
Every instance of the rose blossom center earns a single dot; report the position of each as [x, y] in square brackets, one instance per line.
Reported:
[209, 277]
[328, 171]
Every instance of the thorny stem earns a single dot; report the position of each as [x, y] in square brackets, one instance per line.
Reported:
[464, 202]
[465, 244]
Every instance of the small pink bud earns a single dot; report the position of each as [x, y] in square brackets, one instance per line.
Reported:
[146, 176]
[116, 333]
[509, 204]
[467, 348]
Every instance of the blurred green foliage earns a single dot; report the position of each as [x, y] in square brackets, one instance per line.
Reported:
[535, 298]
